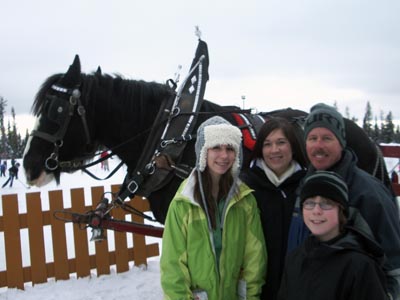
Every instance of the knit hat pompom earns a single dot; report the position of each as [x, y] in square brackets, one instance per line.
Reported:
[322, 115]
[214, 132]
[328, 185]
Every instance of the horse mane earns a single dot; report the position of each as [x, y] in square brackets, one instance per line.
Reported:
[130, 95]
[141, 98]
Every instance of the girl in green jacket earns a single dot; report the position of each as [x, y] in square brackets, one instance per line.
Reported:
[213, 244]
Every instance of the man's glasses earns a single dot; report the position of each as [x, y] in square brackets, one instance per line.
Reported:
[324, 205]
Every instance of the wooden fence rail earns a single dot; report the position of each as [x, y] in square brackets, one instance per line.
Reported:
[35, 220]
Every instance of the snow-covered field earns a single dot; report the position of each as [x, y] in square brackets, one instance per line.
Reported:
[137, 283]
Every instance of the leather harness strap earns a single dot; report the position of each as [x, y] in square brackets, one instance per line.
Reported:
[165, 145]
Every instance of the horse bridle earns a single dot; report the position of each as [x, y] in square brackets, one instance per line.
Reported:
[61, 112]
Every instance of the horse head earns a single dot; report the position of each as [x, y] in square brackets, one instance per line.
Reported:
[61, 133]
[79, 113]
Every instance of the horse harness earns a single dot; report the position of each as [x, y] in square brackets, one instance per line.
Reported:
[160, 157]
[60, 112]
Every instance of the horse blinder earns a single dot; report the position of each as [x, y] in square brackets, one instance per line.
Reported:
[60, 110]
[57, 109]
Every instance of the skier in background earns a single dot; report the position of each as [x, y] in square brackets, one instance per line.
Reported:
[13, 173]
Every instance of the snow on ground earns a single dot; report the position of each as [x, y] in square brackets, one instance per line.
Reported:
[137, 283]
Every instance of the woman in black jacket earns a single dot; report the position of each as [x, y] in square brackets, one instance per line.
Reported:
[277, 167]
[337, 262]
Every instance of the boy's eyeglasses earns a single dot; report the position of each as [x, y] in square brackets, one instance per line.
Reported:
[310, 204]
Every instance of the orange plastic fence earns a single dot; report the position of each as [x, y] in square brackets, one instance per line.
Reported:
[35, 219]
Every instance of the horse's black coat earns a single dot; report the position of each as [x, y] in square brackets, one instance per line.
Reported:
[120, 112]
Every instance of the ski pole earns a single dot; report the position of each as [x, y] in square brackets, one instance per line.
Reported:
[25, 186]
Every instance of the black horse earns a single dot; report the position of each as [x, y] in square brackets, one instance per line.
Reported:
[79, 114]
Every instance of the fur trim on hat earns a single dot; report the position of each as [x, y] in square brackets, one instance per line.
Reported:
[214, 132]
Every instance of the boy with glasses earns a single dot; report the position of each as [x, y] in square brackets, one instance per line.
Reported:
[336, 261]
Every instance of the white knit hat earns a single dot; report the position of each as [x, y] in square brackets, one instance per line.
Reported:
[217, 131]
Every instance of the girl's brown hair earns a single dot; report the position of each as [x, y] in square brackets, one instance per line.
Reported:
[225, 184]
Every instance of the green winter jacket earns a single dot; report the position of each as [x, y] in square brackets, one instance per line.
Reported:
[188, 260]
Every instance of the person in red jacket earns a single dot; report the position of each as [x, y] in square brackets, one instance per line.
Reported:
[104, 163]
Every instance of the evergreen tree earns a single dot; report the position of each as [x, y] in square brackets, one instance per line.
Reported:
[376, 133]
[13, 136]
[335, 105]
[347, 115]
[388, 129]
[8, 145]
[19, 145]
[397, 134]
[367, 126]
[381, 125]
[347, 112]
[11, 143]
[3, 137]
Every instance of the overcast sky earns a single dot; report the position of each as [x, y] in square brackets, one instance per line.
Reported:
[277, 54]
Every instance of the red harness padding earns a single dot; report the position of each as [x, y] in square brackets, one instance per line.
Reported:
[249, 130]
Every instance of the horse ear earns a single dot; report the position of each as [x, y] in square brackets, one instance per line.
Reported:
[98, 71]
[72, 77]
